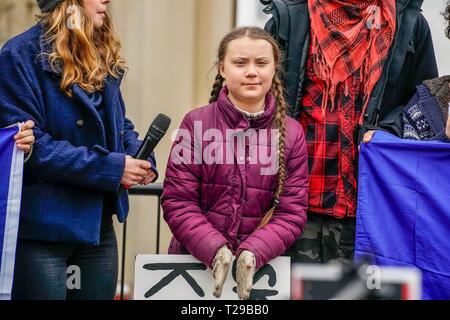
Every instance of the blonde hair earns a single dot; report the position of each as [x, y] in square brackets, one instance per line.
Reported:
[83, 55]
[277, 92]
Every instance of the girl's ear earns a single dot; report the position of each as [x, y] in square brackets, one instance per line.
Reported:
[221, 70]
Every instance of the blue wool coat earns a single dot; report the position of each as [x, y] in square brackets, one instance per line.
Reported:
[73, 162]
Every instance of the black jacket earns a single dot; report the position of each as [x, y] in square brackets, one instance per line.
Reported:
[411, 60]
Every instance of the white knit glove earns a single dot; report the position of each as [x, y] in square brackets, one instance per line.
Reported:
[221, 264]
[245, 269]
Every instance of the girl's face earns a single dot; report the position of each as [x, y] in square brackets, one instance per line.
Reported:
[96, 10]
[248, 69]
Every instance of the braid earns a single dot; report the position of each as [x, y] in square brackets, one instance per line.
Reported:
[279, 120]
[217, 86]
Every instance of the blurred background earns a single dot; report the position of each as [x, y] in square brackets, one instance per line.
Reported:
[170, 47]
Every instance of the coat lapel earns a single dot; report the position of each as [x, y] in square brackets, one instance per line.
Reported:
[110, 99]
[81, 96]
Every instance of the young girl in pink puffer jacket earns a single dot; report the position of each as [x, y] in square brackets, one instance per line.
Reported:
[248, 198]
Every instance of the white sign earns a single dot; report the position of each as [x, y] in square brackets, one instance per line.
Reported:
[182, 277]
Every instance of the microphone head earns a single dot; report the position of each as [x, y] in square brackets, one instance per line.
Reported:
[159, 126]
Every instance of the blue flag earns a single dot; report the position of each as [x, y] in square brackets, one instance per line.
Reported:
[11, 169]
[403, 214]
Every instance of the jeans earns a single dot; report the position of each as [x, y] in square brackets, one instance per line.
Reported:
[65, 271]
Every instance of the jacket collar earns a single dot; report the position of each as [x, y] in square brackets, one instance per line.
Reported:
[45, 50]
[236, 119]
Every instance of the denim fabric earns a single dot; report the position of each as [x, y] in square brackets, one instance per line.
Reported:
[41, 270]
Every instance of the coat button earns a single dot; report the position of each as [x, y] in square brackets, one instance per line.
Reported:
[80, 123]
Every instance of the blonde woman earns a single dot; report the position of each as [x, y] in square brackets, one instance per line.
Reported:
[64, 74]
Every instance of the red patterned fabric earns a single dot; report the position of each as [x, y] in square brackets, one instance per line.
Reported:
[346, 60]
[347, 36]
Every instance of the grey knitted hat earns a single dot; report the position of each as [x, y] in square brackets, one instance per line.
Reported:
[48, 5]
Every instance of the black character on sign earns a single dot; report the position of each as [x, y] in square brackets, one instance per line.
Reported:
[179, 269]
[260, 294]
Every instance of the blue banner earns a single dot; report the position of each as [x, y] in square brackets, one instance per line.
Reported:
[11, 169]
[403, 214]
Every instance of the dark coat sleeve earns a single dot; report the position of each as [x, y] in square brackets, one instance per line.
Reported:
[419, 65]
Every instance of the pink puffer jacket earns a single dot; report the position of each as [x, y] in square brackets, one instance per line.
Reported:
[219, 198]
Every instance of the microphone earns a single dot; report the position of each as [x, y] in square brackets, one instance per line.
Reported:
[155, 132]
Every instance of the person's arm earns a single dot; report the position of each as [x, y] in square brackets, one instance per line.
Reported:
[289, 217]
[422, 66]
[181, 198]
[53, 159]
[391, 123]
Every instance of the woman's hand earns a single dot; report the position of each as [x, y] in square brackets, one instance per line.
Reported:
[25, 138]
[151, 176]
[368, 136]
[137, 172]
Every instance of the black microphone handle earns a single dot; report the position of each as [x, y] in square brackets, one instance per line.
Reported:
[146, 148]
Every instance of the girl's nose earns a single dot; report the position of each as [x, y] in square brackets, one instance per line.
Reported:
[251, 71]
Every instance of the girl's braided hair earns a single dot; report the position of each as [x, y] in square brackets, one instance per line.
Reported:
[276, 90]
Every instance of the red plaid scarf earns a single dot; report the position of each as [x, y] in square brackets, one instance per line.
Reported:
[350, 36]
